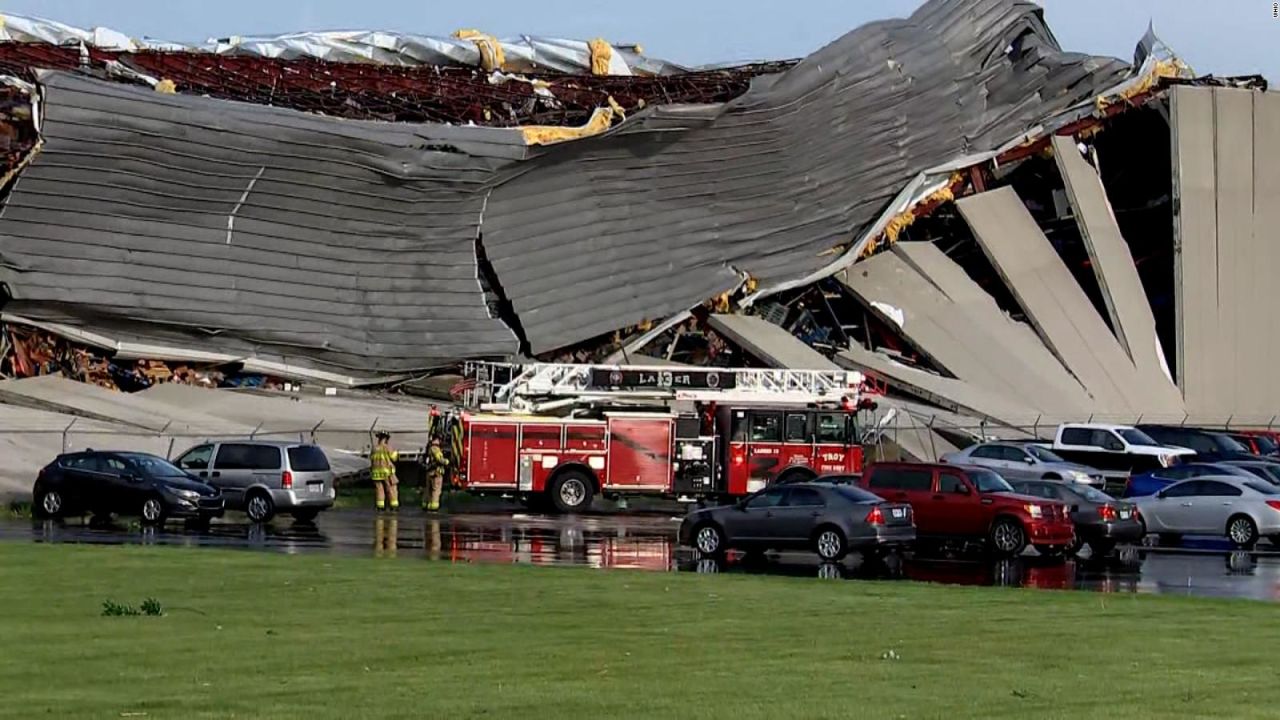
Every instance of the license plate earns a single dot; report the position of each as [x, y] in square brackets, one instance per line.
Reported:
[1124, 514]
[899, 513]
[315, 487]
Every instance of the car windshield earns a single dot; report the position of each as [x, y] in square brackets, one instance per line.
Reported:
[988, 481]
[1230, 444]
[1137, 437]
[857, 495]
[1262, 488]
[1042, 455]
[154, 466]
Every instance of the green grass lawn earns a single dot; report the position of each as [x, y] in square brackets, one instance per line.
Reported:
[266, 636]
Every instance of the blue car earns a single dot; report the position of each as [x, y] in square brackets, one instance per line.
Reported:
[1153, 482]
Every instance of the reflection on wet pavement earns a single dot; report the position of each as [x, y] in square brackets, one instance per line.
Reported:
[647, 542]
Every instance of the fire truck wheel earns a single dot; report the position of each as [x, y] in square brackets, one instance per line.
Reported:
[571, 491]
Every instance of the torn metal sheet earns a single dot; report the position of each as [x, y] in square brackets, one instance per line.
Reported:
[971, 341]
[769, 343]
[1059, 309]
[911, 434]
[352, 248]
[1112, 262]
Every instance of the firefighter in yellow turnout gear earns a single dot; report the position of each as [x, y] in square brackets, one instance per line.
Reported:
[382, 470]
[436, 465]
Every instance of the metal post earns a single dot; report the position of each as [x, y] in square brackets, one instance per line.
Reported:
[1090, 420]
[254, 432]
[314, 429]
[1035, 426]
[66, 430]
[1230, 417]
[169, 453]
[1273, 422]
[1185, 417]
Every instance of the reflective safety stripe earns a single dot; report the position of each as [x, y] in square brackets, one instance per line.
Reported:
[382, 464]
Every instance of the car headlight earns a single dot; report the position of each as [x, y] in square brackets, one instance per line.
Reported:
[186, 494]
[1080, 476]
[1035, 511]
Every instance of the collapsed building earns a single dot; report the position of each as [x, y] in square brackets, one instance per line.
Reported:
[1005, 234]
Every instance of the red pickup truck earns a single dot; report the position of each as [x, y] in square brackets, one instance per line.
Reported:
[958, 502]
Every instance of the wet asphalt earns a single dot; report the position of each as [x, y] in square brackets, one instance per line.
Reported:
[647, 541]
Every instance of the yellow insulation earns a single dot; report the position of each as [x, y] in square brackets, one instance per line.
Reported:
[492, 56]
[166, 86]
[601, 120]
[903, 220]
[1163, 69]
[601, 54]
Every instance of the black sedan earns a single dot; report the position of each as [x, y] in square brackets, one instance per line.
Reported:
[124, 483]
[1100, 520]
[829, 519]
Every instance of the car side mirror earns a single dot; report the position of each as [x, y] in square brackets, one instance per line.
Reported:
[1075, 508]
[1029, 461]
[1161, 495]
[132, 477]
[963, 489]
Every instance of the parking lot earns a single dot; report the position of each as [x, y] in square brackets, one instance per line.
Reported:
[648, 542]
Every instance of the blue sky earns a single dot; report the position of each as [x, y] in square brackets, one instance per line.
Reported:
[1223, 36]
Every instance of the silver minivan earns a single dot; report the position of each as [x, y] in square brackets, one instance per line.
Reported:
[264, 477]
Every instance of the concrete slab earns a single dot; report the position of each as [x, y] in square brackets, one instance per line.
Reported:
[770, 343]
[1058, 308]
[1059, 391]
[1131, 319]
[970, 341]
[62, 395]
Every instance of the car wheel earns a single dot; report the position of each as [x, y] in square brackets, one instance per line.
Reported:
[49, 504]
[259, 507]
[571, 492]
[708, 540]
[1242, 531]
[829, 543]
[305, 516]
[153, 511]
[1007, 538]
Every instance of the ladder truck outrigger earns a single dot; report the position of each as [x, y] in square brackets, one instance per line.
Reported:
[557, 435]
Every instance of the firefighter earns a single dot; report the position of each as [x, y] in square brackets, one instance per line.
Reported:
[382, 469]
[436, 465]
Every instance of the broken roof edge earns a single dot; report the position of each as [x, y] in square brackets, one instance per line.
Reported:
[126, 350]
[1155, 67]
[377, 47]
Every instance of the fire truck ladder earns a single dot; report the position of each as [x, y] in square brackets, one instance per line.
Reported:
[544, 386]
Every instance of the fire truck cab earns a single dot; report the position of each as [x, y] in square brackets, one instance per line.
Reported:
[560, 435]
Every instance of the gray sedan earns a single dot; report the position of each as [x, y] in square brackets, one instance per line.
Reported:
[1015, 461]
[829, 519]
[1242, 509]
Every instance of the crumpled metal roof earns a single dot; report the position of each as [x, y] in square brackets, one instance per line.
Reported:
[522, 53]
[354, 246]
[680, 203]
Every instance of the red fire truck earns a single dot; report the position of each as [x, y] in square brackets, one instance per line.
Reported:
[563, 433]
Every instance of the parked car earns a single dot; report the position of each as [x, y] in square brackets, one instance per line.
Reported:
[969, 503]
[1207, 445]
[1024, 462]
[1242, 509]
[1259, 444]
[1101, 520]
[264, 477]
[829, 519]
[1263, 469]
[1117, 450]
[1152, 482]
[123, 483]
